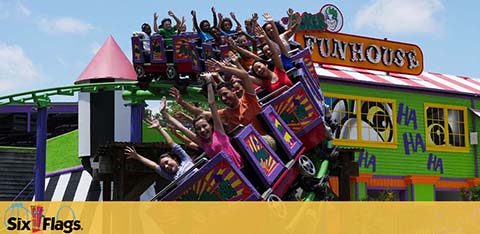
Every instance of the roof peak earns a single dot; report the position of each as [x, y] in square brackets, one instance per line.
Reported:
[108, 63]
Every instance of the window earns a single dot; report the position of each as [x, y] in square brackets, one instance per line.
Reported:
[445, 127]
[362, 121]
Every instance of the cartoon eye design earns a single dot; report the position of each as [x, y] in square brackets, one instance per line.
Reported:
[378, 117]
[436, 133]
[435, 126]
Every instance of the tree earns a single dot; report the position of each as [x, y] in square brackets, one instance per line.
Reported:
[472, 194]
[385, 195]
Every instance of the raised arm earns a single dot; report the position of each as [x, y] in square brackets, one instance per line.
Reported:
[276, 36]
[252, 40]
[220, 18]
[175, 93]
[177, 20]
[180, 126]
[235, 60]
[188, 143]
[239, 25]
[290, 18]
[275, 55]
[217, 123]
[215, 21]
[182, 27]
[254, 21]
[195, 23]
[154, 123]
[243, 52]
[155, 25]
[183, 117]
[130, 152]
[217, 66]
[291, 30]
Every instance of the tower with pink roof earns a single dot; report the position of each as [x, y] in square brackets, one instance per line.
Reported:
[103, 116]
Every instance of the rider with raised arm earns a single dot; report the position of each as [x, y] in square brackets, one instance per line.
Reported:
[204, 29]
[166, 29]
[170, 165]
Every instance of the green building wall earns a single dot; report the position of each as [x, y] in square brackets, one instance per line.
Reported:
[403, 159]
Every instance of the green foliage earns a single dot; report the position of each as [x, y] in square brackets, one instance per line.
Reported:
[148, 113]
[386, 195]
[472, 194]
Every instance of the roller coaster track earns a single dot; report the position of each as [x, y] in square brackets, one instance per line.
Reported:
[133, 93]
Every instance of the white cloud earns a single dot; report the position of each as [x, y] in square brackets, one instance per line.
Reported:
[64, 24]
[400, 16]
[94, 47]
[17, 71]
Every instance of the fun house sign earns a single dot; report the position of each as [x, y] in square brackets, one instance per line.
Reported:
[330, 47]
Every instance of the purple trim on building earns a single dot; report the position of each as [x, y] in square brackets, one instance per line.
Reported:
[412, 192]
[64, 171]
[136, 123]
[373, 85]
[475, 147]
[27, 108]
[403, 195]
[29, 122]
[30, 108]
[453, 179]
[41, 154]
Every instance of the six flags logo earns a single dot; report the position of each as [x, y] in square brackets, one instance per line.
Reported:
[35, 220]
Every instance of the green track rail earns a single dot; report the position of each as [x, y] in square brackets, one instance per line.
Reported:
[133, 93]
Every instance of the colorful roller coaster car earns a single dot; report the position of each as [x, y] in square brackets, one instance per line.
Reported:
[301, 106]
[297, 127]
[218, 180]
[267, 173]
[299, 109]
[207, 50]
[163, 62]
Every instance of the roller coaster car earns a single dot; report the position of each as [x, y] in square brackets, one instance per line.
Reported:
[297, 127]
[303, 70]
[207, 50]
[163, 62]
[301, 106]
[265, 171]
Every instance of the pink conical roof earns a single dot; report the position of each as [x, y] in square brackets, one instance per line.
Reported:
[109, 62]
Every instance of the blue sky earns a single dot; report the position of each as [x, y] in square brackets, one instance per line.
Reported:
[48, 43]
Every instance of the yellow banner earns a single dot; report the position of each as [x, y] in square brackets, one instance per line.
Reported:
[362, 52]
[240, 217]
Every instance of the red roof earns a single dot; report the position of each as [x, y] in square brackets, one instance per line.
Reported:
[426, 80]
[109, 62]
